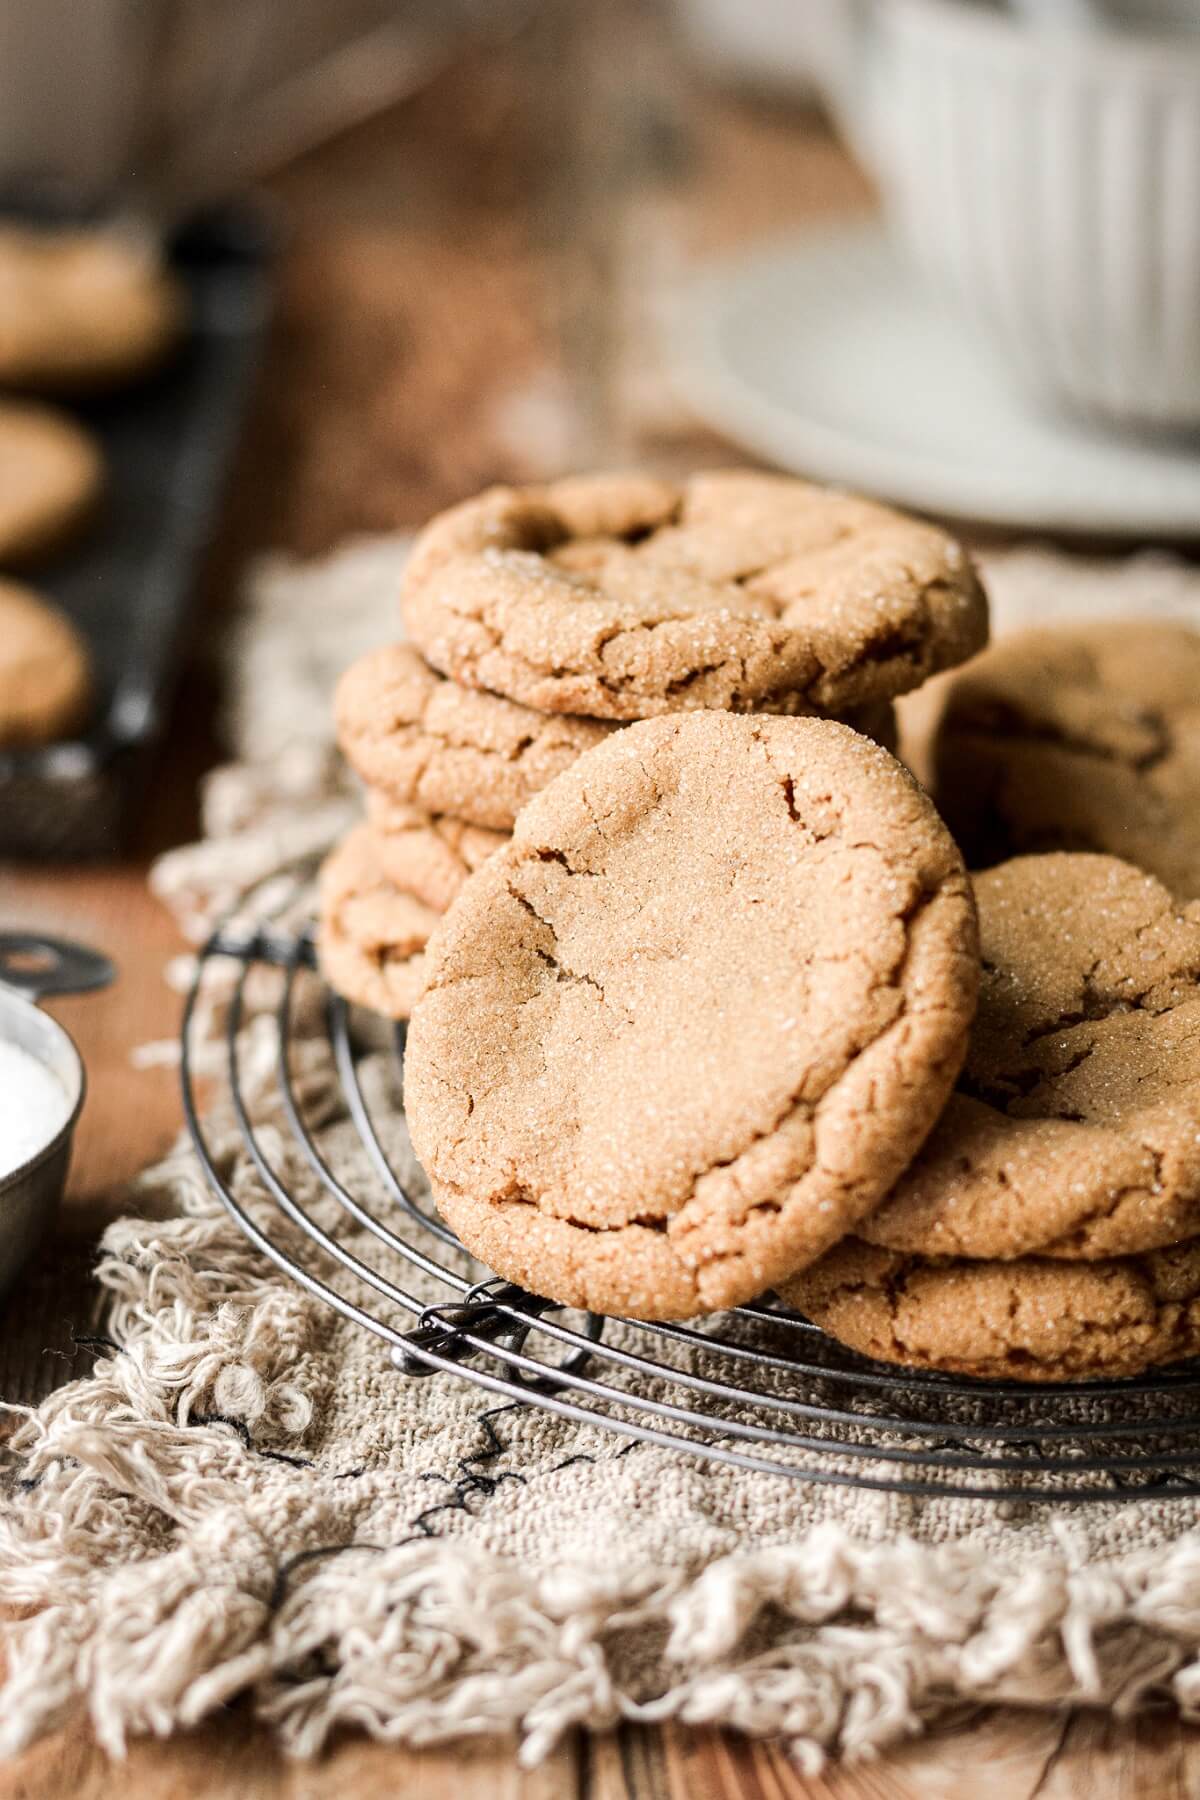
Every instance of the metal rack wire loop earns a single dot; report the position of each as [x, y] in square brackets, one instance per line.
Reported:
[759, 1388]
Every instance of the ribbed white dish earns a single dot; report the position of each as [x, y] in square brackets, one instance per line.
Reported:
[828, 354]
[1049, 181]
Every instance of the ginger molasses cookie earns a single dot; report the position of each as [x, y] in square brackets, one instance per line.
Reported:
[691, 1023]
[1074, 1130]
[448, 749]
[427, 854]
[51, 474]
[1031, 1320]
[371, 935]
[45, 673]
[82, 309]
[1082, 737]
[623, 597]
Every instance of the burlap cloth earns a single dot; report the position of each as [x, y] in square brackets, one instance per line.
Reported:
[244, 1497]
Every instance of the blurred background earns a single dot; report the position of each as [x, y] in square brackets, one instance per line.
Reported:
[487, 209]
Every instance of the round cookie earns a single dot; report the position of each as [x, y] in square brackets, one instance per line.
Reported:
[1026, 1321]
[1074, 1130]
[1082, 737]
[447, 749]
[427, 854]
[371, 936]
[691, 1023]
[442, 748]
[82, 309]
[45, 676]
[624, 597]
[51, 474]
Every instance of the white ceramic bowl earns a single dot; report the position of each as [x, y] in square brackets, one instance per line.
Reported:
[788, 47]
[1049, 181]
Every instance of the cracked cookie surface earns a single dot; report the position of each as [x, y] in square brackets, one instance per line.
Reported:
[435, 745]
[371, 936]
[691, 1023]
[1033, 1320]
[1074, 1129]
[625, 597]
[448, 749]
[1081, 737]
[428, 855]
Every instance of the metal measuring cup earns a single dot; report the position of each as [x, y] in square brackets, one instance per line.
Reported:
[31, 969]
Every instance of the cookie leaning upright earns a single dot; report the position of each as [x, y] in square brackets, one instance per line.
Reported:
[626, 597]
[1079, 737]
[688, 1027]
[1074, 1131]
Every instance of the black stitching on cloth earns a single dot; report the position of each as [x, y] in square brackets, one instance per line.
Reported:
[318, 1553]
[243, 1431]
[83, 1341]
[469, 1481]
[94, 1340]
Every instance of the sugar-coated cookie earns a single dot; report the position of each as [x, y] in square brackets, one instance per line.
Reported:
[434, 744]
[371, 936]
[1074, 1129]
[691, 1023]
[427, 854]
[624, 596]
[1079, 737]
[1031, 1320]
[446, 749]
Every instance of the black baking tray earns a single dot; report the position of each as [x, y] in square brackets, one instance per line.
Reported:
[128, 581]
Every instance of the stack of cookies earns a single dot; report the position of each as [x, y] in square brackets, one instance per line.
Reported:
[714, 1008]
[1050, 1228]
[542, 620]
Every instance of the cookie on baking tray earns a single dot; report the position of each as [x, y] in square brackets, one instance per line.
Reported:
[45, 673]
[691, 1023]
[1031, 1320]
[82, 308]
[427, 854]
[51, 475]
[1074, 1130]
[625, 596]
[1080, 737]
[371, 936]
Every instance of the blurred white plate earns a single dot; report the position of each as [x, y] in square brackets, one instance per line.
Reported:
[827, 355]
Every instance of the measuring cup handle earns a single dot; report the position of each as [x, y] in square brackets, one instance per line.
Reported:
[38, 966]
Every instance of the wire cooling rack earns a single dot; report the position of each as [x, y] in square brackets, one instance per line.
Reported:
[759, 1388]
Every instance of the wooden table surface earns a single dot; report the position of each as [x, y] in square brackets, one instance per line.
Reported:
[427, 323]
